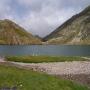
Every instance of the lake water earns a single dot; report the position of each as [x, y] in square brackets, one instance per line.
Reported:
[56, 50]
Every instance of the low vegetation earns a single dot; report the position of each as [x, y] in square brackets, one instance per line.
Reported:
[20, 79]
[40, 59]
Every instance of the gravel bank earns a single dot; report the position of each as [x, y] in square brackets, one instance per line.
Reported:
[59, 68]
[76, 71]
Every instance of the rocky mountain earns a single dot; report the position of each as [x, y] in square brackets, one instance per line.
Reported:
[12, 34]
[75, 31]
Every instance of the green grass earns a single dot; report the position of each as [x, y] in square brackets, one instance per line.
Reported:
[40, 59]
[30, 80]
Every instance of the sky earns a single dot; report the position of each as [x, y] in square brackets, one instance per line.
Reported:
[40, 17]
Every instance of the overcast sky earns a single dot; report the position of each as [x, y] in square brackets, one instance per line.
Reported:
[40, 17]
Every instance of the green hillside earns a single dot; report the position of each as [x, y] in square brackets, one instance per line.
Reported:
[13, 34]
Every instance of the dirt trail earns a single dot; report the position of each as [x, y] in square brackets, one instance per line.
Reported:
[2, 59]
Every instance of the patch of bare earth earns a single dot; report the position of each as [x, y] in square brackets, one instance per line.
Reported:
[83, 79]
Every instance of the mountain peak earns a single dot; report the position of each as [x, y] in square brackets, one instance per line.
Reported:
[7, 20]
[11, 33]
[76, 30]
[87, 8]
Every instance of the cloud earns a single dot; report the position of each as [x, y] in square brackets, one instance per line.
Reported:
[42, 23]
[41, 16]
[4, 8]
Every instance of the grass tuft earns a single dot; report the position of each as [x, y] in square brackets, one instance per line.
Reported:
[41, 59]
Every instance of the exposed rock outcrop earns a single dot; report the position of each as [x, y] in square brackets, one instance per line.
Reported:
[74, 31]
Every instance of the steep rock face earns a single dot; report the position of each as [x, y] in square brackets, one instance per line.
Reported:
[74, 31]
[13, 34]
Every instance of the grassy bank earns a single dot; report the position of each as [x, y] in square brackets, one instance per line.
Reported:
[40, 59]
[30, 80]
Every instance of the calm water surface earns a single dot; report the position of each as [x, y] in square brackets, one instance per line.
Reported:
[59, 50]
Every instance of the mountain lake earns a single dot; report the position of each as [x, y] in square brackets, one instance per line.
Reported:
[52, 50]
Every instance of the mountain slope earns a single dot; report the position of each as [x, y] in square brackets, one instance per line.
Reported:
[13, 34]
[74, 31]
